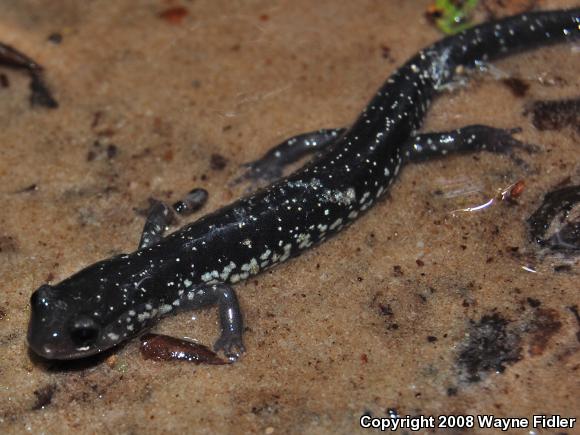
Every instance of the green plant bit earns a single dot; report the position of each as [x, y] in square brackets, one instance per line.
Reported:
[452, 16]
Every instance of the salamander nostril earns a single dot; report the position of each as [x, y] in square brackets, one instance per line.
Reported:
[41, 296]
[84, 330]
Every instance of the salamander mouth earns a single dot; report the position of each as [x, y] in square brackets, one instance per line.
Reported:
[49, 352]
[52, 347]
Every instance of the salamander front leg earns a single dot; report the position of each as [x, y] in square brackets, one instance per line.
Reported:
[467, 139]
[160, 216]
[231, 322]
[270, 166]
[158, 220]
[40, 95]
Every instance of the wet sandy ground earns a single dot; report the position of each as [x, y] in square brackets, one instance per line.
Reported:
[412, 310]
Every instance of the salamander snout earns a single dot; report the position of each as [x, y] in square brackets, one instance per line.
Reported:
[45, 309]
[42, 295]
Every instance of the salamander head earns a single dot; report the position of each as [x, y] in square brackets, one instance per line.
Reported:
[57, 330]
[82, 316]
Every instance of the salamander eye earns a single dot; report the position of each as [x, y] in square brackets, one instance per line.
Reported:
[84, 330]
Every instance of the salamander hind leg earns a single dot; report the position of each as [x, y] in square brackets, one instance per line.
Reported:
[269, 167]
[231, 321]
[471, 138]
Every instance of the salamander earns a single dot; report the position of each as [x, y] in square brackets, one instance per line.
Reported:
[116, 299]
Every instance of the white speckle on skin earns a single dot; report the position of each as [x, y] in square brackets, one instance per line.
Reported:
[366, 205]
[166, 308]
[247, 242]
[339, 197]
[286, 255]
[304, 241]
[210, 276]
[336, 223]
[252, 267]
[227, 270]
[141, 317]
[364, 197]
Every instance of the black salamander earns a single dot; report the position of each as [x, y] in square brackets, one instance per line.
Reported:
[118, 298]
